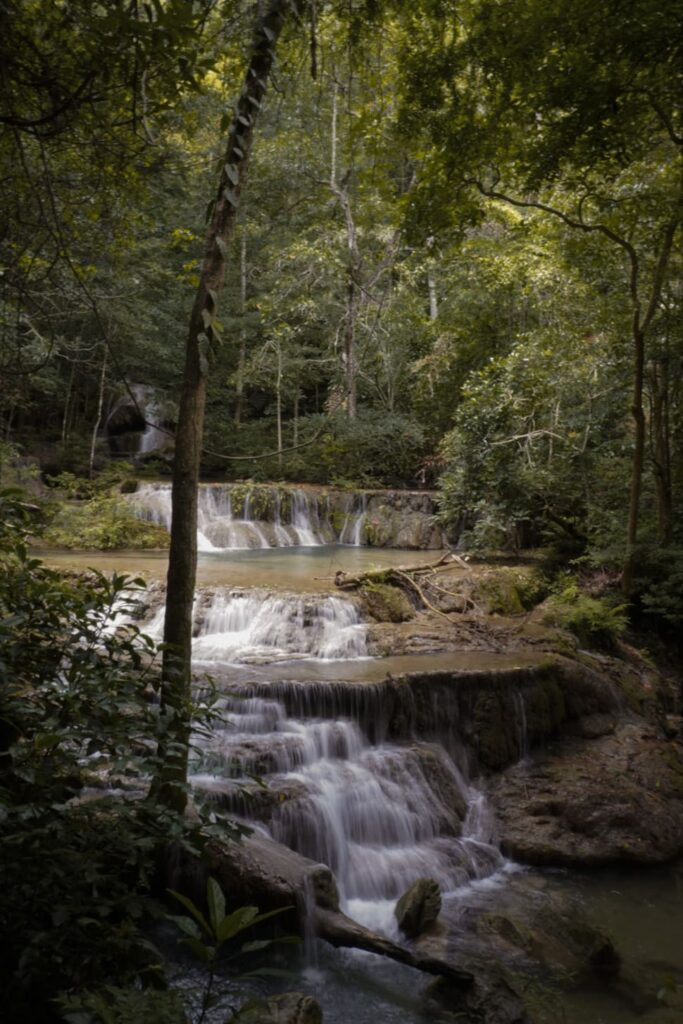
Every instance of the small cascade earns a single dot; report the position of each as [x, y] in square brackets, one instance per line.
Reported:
[354, 519]
[153, 437]
[378, 816]
[521, 720]
[302, 520]
[253, 627]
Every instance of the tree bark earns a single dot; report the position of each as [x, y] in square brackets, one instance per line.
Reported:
[203, 337]
[353, 272]
[243, 333]
[98, 420]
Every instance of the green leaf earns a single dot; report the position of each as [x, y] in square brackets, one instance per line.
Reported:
[236, 922]
[205, 953]
[216, 902]
[253, 947]
[187, 925]
[195, 911]
[231, 197]
[232, 173]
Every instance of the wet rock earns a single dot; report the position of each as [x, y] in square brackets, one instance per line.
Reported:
[418, 907]
[386, 603]
[618, 798]
[289, 1008]
[490, 1000]
[591, 727]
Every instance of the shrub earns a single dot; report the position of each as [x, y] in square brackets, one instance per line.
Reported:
[594, 621]
[75, 718]
[105, 522]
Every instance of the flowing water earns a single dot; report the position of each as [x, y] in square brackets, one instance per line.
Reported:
[301, 705]
[259, 520]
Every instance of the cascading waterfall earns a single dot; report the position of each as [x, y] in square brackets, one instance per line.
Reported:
[378, 816]
[354, 520]
[219, 529]
[232, 627]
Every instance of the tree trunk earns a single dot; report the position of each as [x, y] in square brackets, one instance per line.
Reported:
[67, 404]
[353, 271]
[98, 420]
[638, 414]
[203, 336]
[433, 298]
[243, 334]
[278, 402]
[661, 444]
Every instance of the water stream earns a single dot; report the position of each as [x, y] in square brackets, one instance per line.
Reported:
[301, 707]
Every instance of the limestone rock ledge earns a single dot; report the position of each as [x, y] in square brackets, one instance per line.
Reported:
[584, 802]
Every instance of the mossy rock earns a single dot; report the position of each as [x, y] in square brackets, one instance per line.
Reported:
[386, 603]
[511, 591]
[418, 907]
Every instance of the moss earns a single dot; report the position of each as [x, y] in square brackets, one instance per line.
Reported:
[387, 603]
[238, 496]
[378, 527]
[545, 709]
[495, 727]
[673, 762]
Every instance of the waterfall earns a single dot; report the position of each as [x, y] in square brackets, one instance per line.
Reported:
[378, 816]
[252, 627]
[302, 522]
[219, 529]
[354, 519]
[152, 437]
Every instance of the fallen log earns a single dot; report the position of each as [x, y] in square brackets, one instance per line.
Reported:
[264, 873]
[349, 581]
[339, 930]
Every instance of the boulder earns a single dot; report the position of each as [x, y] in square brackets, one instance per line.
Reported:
[490, 1000]
[419, 907]
[288, 1008]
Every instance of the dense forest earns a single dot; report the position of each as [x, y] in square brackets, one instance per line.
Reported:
[317, 252]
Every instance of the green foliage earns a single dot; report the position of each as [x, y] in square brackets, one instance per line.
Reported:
[115, 1005]
[596, 622]
[660, 584]
[216, 935]
[105, 523]
[79, 730]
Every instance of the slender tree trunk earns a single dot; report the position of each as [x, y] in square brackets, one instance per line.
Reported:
[662, 452]
[638, 413]
[203, 336]
[278, 403]
[353, 271]
[243, 333]
[295, 426]
[433, 298]
[98, 420]
[67, 404]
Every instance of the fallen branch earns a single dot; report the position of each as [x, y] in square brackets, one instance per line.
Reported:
[425, 600]
[346, 581]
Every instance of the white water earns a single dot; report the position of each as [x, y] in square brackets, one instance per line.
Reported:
[242, 627]
[356, 514]
[379, 816]
[218, 528]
